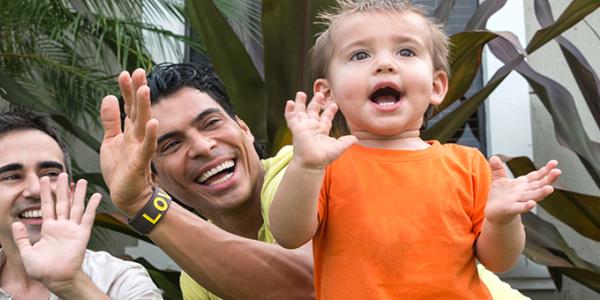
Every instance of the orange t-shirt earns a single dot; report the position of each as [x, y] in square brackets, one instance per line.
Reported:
[397, 224]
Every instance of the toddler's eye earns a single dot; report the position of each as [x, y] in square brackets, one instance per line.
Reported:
[360, 55]
[406, 52]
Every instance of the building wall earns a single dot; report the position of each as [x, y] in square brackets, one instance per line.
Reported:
[550, 62]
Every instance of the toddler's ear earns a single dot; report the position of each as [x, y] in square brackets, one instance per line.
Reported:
[439, 88]
[322, 86]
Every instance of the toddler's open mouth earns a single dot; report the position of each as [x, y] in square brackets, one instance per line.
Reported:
[386, 96]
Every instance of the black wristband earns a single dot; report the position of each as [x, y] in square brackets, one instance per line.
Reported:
[145, 220]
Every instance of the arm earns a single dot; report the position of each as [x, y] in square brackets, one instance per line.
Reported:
[228, 265]
[231, 266]
[293, 214]
[502, 236]
[56, 258]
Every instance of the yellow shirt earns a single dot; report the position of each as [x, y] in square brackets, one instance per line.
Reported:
[274, 170]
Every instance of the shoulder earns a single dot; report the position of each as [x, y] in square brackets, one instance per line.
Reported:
[464, 153]
[118, 278]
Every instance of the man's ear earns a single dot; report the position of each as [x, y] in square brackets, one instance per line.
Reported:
[245, 128]
[439, 87]
[323, 86]
[154, 178]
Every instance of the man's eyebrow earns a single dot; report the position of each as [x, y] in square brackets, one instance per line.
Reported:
[196, 119]
[50, 164]
[11, 167]
[203, 114]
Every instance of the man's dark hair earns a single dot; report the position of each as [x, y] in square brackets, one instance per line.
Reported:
[166, 79]
[19, 118]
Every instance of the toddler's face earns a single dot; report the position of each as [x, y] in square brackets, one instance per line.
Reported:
[381, 73]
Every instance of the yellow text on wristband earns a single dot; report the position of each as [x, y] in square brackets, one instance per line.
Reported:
[156, 207]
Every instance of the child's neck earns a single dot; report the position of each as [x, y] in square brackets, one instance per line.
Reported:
[408, 140]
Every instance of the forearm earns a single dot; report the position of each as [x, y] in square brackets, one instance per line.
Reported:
[499, 245]
[293, 213]
[81, 287]
[230, 266]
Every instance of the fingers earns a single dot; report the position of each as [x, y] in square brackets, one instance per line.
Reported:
[90, 212]
[77, 207]
[289, 111]
[497, 166]
[142, 109]
[538, 194]
[543, 171]
[138, 79]
[127, 90]
[46, 200]
[327, 115]
[62, 197]
[129, 84]
[316, 104]
[300, 106]
[110, 116]
[20, 236]
[523, 207]
[347, 141]
[149, 141]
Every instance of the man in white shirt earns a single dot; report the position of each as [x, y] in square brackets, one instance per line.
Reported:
[45, 227]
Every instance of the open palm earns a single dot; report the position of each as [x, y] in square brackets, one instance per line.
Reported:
[58, 255]
[313, 147]
[125, 155]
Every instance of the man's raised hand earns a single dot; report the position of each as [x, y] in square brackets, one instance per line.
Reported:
[125, 155]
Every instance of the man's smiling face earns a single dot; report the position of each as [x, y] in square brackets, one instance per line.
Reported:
[25, 156]
[204, 158]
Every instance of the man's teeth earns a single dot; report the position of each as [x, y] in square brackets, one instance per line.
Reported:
[225, 178]
[32, 214]
[224, 165]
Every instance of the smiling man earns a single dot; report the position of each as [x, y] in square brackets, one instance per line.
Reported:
[44, 227]
[205, 156]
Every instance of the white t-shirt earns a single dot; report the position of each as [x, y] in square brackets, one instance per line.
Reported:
[119, 279]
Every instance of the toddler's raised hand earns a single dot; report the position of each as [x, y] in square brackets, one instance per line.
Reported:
[510, 197]
[313, 147]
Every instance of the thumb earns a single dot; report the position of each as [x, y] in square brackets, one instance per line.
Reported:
[110, 116]
[347, 141]
[497, 166]
[20, 236]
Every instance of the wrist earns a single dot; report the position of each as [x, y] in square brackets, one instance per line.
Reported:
[504, 223]
[151, 213]
[307, 167]
[71, 288]
[133, 206]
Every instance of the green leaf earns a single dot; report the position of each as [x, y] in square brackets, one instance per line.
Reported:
[581, 212]
[233, 64]
[558, 101]
[575, 12]
[483, 13]
[466, 49]
[445, 128]
[545, 245]
[16, 94]
[442, 11]
[584, 74]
